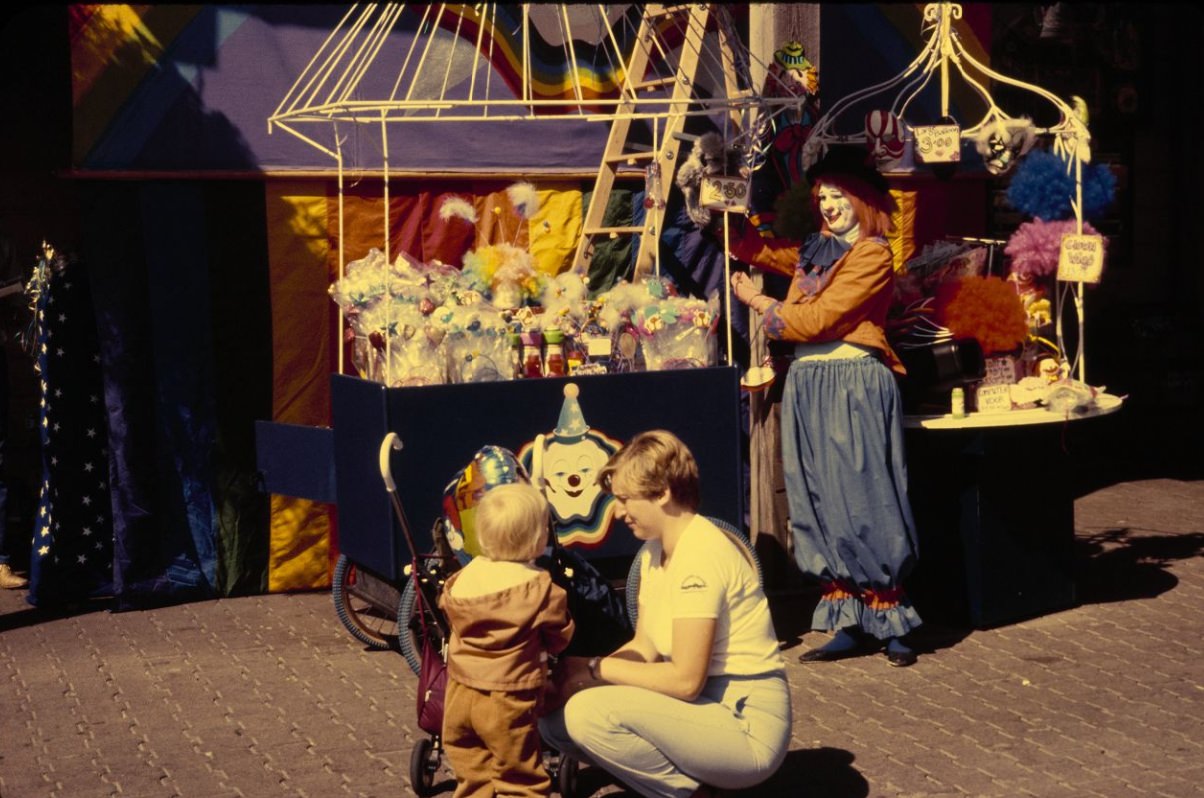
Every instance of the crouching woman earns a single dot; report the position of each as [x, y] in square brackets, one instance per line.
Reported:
[697, 700]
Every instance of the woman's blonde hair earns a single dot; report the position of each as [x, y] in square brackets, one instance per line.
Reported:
[652, 462]
[512, 522]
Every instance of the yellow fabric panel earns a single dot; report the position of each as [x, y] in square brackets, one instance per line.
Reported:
[299, 254]
[555, 229]
[299, 545]
[903, 240]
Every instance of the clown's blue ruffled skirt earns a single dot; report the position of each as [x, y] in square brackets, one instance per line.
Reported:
[846, 485]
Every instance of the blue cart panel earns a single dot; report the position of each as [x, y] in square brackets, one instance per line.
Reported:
[442, 426]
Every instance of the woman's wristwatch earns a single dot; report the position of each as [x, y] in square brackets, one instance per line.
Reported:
[592, 666]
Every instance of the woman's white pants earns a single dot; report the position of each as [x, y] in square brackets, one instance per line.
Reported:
[734, 735]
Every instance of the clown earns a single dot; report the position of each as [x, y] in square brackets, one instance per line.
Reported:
[842, 434]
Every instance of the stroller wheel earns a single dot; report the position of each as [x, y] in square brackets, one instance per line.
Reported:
[566, 776]
[364, 605]
[415, 623]
[424, 761]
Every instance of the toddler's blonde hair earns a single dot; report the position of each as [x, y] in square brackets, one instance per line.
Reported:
[512, 522]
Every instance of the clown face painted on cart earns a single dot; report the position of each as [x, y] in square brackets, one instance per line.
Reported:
[570, 472]
[565, 464]
[836, 209]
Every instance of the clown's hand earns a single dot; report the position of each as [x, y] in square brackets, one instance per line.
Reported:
[743, 287]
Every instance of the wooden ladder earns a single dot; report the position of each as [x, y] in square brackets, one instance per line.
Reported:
[619, 152]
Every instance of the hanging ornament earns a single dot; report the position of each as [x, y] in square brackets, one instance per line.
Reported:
[653, 196]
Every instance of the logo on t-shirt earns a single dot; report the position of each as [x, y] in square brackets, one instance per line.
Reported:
[693, 582]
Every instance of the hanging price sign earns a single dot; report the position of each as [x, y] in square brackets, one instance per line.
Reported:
[722, 193]
[1081, 258]
[938, 143]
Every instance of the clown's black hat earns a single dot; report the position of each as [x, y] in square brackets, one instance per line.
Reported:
[854, 161]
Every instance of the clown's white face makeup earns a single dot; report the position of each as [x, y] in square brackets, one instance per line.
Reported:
[837, 211]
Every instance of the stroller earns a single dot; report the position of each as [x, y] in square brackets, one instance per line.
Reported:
[422, 632]
[600, 612]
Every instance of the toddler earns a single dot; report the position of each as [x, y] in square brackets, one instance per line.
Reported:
[506, 617]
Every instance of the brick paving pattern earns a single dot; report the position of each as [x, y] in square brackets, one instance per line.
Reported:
[269, 696]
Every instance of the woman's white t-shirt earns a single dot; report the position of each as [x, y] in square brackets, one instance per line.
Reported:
[709, 576]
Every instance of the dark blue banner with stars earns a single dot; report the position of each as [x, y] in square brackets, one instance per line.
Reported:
[72, 553]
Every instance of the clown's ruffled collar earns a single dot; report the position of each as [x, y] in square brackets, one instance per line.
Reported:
[816, 258]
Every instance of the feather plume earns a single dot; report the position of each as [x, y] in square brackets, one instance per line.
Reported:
[984, 308]
[459, 208]
[1043, 186]
[1035, 246]
[524, 198]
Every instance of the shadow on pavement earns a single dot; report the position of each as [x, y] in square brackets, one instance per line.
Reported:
[31, 616]
[1120, 564]
[811, 771]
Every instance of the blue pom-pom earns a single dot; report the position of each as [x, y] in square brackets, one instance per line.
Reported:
[1099, 190]
[1043, 188]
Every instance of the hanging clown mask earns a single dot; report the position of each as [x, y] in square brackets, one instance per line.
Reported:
[884, 135]
[1003, 142]
[791, 73]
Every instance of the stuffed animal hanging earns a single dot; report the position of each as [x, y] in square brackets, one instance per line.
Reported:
[708, 157]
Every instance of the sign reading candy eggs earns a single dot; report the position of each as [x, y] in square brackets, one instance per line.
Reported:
[938, 143]
[1081, 258]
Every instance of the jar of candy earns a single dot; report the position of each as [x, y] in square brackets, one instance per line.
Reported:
[532, 342]
[516, 355]
[554, 362]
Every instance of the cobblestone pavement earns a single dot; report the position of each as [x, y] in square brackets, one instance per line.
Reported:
[269, 696]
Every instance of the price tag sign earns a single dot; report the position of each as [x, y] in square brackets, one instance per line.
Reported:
[938, 143]
[1081, 259]
[993, 398]
[1000, 371]
[721, 193]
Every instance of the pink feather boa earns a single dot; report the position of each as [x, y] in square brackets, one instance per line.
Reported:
[1035, 245]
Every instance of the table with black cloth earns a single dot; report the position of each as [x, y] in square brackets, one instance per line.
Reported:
[993, 500]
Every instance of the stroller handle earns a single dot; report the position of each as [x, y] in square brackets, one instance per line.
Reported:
[391, 441]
